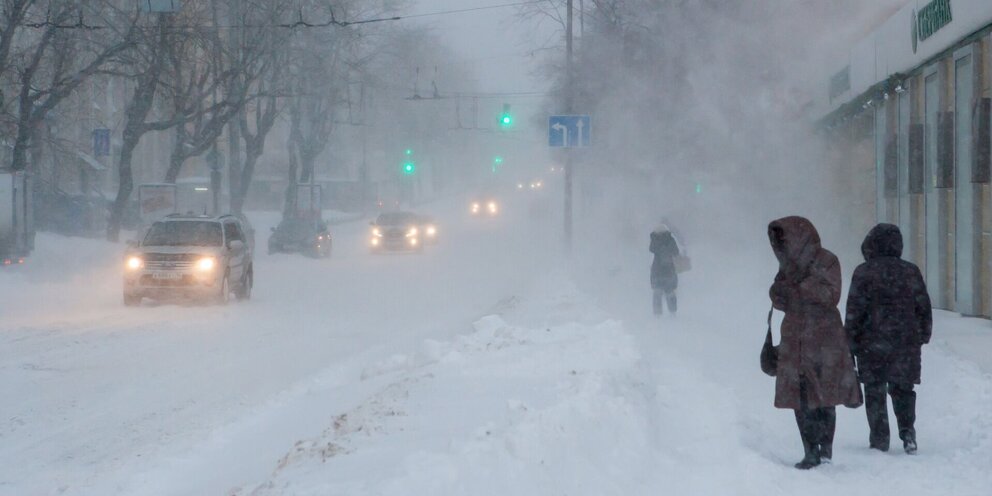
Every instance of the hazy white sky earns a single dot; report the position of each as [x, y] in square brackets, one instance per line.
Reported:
[491, 40]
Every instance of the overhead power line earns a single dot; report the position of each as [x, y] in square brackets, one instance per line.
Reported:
[475, 9]
[300, 22]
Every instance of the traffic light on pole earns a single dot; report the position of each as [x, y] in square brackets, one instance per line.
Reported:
[409, 166]
[497, 163]
[506, 118]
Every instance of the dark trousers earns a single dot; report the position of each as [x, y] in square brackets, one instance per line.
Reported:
[904, 404]
[660, 297]
[816, 425]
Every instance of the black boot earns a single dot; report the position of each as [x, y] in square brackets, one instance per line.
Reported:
[909, 443]
[878, 445]
[812, 458]
[904, 403]
[826, 453]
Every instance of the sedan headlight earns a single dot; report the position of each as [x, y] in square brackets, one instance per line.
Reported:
[431, 231]
[206, 264]
[476, 208]
[135, 263]
[493, 207]
[377, 233]
[412, 232]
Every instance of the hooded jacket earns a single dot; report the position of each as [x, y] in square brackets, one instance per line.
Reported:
[889, 316]
[813, 349]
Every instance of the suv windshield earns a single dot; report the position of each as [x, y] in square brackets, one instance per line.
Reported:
[184, 233]
[396, 219]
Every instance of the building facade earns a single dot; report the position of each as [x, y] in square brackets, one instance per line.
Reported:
[910, 109]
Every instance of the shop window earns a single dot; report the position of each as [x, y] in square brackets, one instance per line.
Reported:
[945, 150]
[983, 146]
[890, 168]
[916, 156]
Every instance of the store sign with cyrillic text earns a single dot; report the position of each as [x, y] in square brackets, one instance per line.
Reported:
[930, 19]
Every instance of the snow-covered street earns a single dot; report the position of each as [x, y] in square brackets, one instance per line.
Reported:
[484, 247]
[470, 370]
[103, 391]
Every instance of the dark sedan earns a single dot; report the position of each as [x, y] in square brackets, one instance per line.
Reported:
[309, 237]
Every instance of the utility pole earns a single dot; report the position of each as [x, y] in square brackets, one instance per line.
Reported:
[569, 103]
[365, 151]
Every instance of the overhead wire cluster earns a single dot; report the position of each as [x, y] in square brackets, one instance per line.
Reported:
[301, 22]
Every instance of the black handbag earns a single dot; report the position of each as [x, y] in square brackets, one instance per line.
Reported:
[769, 352]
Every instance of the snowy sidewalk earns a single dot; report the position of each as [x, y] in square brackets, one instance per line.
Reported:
[555, 397]
[969, 338]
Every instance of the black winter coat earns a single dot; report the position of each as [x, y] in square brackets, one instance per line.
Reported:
[665, 249]
[888, 311]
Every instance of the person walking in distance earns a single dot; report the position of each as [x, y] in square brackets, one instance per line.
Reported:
[664, 277]
[815, 369]
[889, 319]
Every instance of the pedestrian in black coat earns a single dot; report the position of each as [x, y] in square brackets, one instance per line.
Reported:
[888, 320]
[664, 277]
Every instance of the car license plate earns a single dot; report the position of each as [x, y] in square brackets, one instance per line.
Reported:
[168, 276]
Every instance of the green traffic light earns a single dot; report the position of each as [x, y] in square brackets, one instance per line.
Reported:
[409, 152]
[409, 168]
[506, 118]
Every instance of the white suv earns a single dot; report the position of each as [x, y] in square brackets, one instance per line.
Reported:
[192, 257]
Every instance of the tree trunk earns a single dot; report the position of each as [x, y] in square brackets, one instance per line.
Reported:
[238, 199]
[291, 189]
[234, 164]
[19, 159]
[125, 184]
[178, 156]
[134, 128]
[307, 173]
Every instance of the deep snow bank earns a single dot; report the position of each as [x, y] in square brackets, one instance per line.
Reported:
[555, 397]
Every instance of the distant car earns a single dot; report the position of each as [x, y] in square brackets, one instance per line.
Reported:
[484, 207]
[397, 231]
[535, 185]
[191, 257]
[310, 237]
[428, 229]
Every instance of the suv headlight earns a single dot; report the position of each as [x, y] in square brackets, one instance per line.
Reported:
[377, 233]
[206, 264]
[412, 232]
[135, 263]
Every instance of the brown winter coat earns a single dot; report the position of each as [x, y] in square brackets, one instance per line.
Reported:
[814, 346]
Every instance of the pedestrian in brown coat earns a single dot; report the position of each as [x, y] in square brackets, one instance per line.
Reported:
[815, 368]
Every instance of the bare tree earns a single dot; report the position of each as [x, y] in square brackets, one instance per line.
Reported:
[47, 50]
[255, 121]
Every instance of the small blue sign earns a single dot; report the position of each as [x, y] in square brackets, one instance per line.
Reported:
[101, 142]
[569, 131]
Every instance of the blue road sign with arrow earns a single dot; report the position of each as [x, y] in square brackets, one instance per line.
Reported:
[569, 131]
